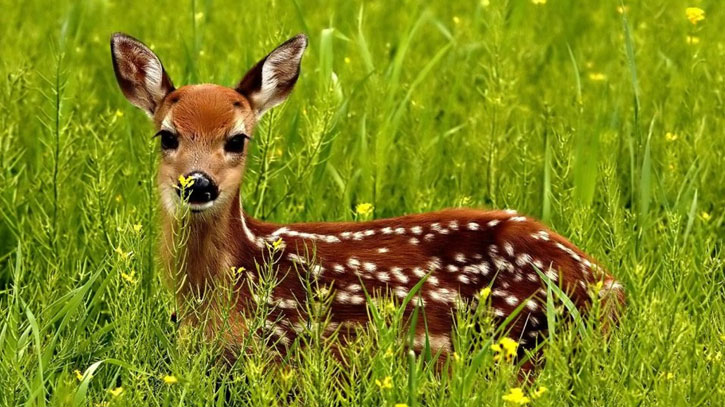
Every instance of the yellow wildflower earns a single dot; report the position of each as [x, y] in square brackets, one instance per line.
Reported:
[539, 392]
[347, 60]
[539, 2]
[401, 405]
[516, 396]
[78, 374]
[669, 136]
[119, 113]
[198, 16]
[185, 182]
[456, 20]
[622, 9]
[722, 337]
[389, 352]
[695, 14]
[597, 77]
[386, 383]
[277, 243]
[116, 392]
[456, 357]
[129, 277]
[137, 227]
[168, 379]
[705, 216]
[692, 40]
[670, 376]
[364, 209]
[509, 346]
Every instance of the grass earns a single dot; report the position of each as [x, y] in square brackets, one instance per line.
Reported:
[608, 128]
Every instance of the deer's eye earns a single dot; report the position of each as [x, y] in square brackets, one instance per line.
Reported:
[235, 144]
[169, 140]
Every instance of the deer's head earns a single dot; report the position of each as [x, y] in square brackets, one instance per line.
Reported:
[203, 130]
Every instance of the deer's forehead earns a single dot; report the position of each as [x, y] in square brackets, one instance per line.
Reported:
[205, 110]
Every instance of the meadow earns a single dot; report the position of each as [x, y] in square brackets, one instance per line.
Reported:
[602, 119]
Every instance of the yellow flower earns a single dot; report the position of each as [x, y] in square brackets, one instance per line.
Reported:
[78, 374]
[695, 14]
[722, 337]
[456, 357]
[669, 136]
[129, 277]
[277, 244]
[185, 182]
[137, 227]
[484, 293]
[347, 60]
[170, 379]
[401, 405]
[386, 383]
[539, 392]
[119, 113]
[692, 40]
[389, 352]
[509, 346]
[705, 216]
[597, 77]
[538, 1]
[516, 396]
[622, 9]
[670, 376]
[364, 209]
[116, 392]
[456, 20]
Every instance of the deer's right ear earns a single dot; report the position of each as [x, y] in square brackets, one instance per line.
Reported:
[139, 73]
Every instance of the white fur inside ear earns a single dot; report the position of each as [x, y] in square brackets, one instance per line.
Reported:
[280, 68]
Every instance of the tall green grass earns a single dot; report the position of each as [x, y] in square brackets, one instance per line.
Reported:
[608, 126]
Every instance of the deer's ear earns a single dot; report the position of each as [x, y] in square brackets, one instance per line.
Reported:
[271, 80]
[139, 73]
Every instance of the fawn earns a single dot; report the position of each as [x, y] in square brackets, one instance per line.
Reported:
[204, 131]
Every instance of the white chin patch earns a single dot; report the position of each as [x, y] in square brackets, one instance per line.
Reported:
[198, 207]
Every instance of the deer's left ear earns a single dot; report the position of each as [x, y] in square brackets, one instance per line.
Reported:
[271, 80]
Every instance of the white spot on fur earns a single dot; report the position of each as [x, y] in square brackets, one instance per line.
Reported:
[473, 226]
[452, 268]
[434, 263]
[386, 230]
[419, 272]
[416, 230]
[523, 259]
[370, 267]
[369, 232]
[353, 288]
[428, 237]
[414, 241]
[512, 300]
[353, 263]
[399, 231]
[532, 305]
[432, 280]
[401, 292]
[383, 276]
[493, 223]
[508, 248]
[460, 257]
[338, 268]
[453, 225]
[383, 250]
[397, 273]
[464, 279]
[518, 219]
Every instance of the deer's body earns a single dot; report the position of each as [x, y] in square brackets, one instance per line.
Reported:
[204, 129]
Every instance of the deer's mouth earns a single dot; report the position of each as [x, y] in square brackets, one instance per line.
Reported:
[198, 207]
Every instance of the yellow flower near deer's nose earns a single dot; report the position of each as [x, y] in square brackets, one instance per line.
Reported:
[516, 396]
[695, 14]
[168, 379]
[185, 182]
[364, 209]
[509, 346]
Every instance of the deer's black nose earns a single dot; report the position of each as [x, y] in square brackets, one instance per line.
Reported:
[199, 188]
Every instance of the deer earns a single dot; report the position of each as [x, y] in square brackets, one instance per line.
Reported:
[451, 255]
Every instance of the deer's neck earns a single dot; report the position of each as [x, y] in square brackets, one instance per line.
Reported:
[201, 252]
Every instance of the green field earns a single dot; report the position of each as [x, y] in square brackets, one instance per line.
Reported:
[606, 125]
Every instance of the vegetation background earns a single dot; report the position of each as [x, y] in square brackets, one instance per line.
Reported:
[604, 120]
